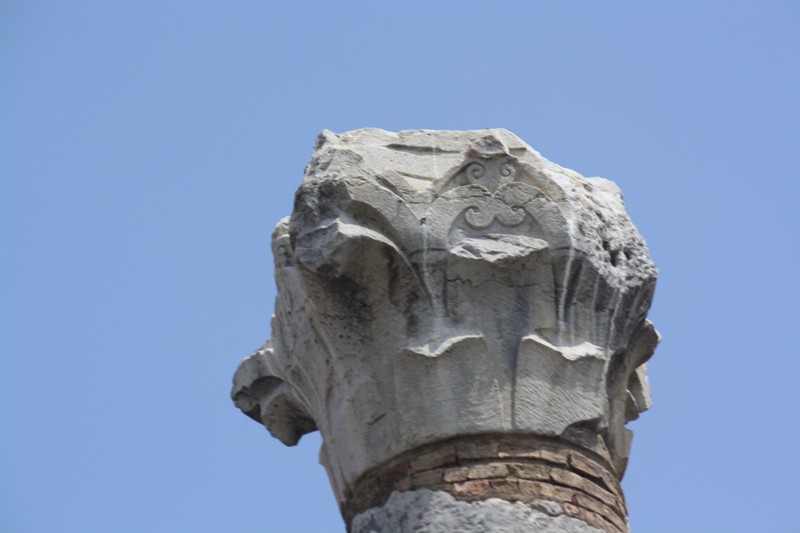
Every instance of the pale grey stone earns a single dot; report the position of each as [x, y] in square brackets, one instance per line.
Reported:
[441, 283]
[426, 511]
[547, 507]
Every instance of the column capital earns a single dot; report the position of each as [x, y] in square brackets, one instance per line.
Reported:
[434, 285]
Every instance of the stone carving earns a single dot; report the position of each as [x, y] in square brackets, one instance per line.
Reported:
[436, 284]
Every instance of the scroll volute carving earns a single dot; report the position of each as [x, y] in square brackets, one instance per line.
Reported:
[412, 308]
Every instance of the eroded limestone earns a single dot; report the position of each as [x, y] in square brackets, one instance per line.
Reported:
[426, 511]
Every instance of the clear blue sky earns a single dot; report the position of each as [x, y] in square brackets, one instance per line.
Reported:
[148, 148]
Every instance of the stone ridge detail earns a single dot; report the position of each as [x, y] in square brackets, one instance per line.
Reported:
[514, 468]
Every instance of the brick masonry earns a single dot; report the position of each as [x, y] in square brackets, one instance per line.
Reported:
[574, 471]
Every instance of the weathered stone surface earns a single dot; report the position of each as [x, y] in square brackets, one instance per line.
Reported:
[433, 284]
[426, 511]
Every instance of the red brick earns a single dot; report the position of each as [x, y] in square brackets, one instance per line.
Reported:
[487, 471]
[505, 489]
[582, 464]
[600, 494]
[471, 489]
[458, 473]
[533, 471]
[537, 489]
[565, 477]
[571, 509]
[597, 507]
[426, 479]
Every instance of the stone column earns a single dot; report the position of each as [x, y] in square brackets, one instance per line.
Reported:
[465, 323]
